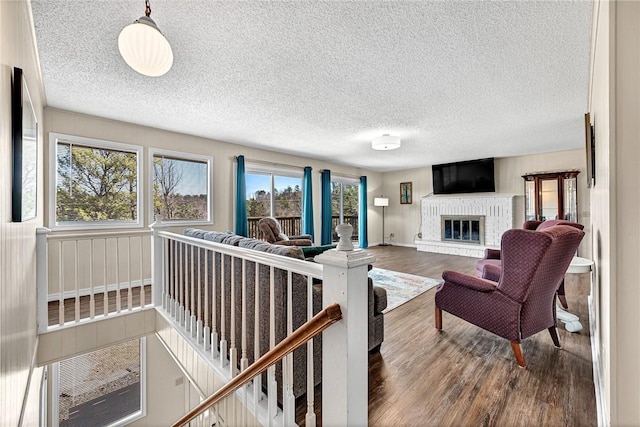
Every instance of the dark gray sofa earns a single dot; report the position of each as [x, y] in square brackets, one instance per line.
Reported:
[377, 303]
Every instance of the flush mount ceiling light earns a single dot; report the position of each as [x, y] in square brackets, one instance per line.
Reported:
[144, 48]
[385, 142]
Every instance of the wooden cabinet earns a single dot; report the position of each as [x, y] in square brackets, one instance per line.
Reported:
[551, 195]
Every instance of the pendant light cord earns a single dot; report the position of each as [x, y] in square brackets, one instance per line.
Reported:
[147, 9]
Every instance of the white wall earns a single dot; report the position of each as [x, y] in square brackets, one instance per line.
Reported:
[165, 399]
[614, 103]
[223, 153]
[404, 220]
[17, 240]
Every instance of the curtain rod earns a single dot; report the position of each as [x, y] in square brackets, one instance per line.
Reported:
[341, 175]
[275, 164]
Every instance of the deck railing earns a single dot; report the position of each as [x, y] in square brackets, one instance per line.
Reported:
[292, 225]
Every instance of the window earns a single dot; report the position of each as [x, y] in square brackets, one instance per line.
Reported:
[181, 189]
[344, 205]
[277, 194]
[94, 183]
[101, 388]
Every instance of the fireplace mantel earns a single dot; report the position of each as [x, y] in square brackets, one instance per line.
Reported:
[497, 209]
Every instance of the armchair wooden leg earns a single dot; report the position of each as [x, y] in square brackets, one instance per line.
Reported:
[563, 301]
[561, 296]
[438, 319]
[517, 351]
[554, 336]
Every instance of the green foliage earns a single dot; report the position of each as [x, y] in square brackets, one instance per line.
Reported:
[349, 199]
[288, 203]
[96, 184]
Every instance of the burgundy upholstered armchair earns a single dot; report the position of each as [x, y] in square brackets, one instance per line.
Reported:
[521, 303]
[492, 256]
[272, 233]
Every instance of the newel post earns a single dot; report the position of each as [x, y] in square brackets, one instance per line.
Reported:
[345, 378]
[42, 278]
[157, 264]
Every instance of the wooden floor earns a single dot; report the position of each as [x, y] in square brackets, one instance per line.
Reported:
[84, 304]
[462, 376]
[465, 376]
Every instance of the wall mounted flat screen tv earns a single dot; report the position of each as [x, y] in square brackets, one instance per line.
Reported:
[474, 176]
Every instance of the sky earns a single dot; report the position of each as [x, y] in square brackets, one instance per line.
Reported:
[257, 182]
[194, 177]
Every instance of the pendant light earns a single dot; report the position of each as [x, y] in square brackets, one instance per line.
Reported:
[144, 48]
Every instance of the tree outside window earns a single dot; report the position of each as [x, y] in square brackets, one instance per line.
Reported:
[345, 206]
[280, 196]
[95, 184]
[180, 188]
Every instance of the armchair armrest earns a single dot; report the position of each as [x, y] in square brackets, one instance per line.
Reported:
[301, 236]
[531, 224]
[470, 282]
[492, 254]
[491, 272]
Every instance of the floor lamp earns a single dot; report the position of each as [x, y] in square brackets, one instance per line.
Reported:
[381, 201]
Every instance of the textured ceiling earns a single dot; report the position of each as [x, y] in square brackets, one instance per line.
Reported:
[455, 80]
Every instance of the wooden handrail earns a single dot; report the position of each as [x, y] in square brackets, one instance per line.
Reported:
[304, 333]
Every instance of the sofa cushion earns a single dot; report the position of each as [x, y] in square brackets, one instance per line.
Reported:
[255, 244]
[284, 250]
[195, 232]
[231, 239]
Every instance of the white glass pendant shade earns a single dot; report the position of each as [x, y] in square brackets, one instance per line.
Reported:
[145, 49]
[386, 142]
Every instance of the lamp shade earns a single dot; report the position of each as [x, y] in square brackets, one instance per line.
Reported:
[385, 142]
[380, 201]
[145, 49]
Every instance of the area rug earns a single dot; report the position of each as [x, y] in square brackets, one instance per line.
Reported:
[401, 287]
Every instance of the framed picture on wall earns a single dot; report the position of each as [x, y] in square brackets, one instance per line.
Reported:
[25, 151]
[406, 193]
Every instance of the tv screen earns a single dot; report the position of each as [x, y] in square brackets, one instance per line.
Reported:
[475, 176]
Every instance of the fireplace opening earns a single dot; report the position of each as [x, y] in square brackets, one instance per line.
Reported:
[463, 229]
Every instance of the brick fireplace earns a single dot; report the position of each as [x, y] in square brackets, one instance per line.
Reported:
[465, 225]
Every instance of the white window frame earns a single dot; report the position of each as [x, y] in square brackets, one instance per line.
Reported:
[55, 391]
[275, 171]
[182, 156]
[342, 180]
[54, 138]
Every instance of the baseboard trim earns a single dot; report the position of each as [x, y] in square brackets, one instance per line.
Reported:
[598, 377]
[406, 245]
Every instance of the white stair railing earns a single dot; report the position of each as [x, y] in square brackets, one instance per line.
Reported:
[209, 292]
[85, 276]
[249, 296]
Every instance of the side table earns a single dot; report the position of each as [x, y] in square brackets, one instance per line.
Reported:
[571, 321]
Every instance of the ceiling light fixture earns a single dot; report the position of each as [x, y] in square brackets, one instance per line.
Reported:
[144, 48]
[385, 142]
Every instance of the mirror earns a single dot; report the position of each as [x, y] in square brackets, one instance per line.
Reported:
[25, 151]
